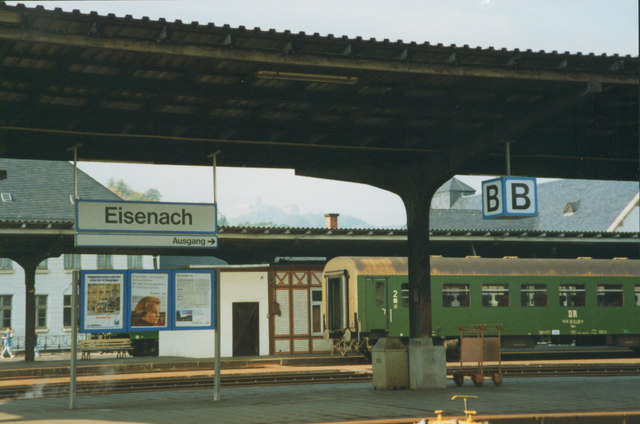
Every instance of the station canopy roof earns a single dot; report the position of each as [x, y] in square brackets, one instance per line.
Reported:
[266, 243]
[137, 90]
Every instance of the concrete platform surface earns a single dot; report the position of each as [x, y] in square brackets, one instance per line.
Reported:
[582, 400]
[576, 399]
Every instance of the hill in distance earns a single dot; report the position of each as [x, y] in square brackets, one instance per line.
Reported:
[289, 216]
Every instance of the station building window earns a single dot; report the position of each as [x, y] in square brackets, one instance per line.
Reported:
[610, 295]
[316, 312]
[104, 262]
[6, 264]
[455, 295]
[71, 261]
[5, 311]
[572, 295]
[66, 311]
[41, 311]
[534, 295]
[495, 295]
[134, 262]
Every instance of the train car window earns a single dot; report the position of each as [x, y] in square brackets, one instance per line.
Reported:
[404, 295]
[572, 295]
[455, 295]
[610, 295]
[533, 295]
[636, 294]
[380, 294]
[495, 295]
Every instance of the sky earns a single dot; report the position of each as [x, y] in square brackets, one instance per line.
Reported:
[577, 26]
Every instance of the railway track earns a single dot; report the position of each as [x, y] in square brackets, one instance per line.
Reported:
[570, 370]
[566, 354]
[179, 382]
[27, 388]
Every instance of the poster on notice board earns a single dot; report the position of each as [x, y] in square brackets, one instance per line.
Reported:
[149, 300]
[193, 300]
[103, 301]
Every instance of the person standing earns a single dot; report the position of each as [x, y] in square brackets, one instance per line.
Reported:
[7, 339]
[35, 344]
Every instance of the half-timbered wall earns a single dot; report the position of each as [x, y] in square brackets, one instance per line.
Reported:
[295, 310]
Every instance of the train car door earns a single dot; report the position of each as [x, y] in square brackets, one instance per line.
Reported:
[398, 308]
[376, 304]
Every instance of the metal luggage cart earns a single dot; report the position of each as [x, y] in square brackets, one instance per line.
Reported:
[479, 343]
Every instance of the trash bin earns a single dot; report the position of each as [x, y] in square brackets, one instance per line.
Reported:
[390, 364]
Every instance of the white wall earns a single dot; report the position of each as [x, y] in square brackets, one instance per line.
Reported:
[243, 286]
[236, 286]
[187, 343]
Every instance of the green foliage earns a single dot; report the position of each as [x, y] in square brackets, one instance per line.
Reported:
[120, 188]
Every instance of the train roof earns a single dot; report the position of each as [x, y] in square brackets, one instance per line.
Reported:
[367, 265]
[360, 265]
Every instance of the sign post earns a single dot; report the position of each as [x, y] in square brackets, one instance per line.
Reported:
[216, 383]
[75, 280]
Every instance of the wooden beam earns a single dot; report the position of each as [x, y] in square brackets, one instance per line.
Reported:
[276, 58]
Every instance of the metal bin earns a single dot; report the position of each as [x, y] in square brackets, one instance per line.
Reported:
[390, 364]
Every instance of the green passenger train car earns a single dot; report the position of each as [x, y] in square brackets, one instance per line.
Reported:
[560, 301]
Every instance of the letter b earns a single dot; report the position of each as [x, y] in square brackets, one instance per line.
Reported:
[520, 196]
[493, 201]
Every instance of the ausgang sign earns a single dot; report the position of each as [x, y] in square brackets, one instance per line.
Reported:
[154, 224]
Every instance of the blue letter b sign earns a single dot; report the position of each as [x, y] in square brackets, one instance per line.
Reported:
[509, 197]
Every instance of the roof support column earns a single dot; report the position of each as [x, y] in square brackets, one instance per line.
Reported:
[29, 264]
[30, 311]
[416, 188]
[419, 267]
[416, 183]
[426, 362]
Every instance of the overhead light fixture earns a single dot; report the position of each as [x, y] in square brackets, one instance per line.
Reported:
[294, 76]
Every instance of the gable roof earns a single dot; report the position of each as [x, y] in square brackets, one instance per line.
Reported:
[456, 185]
[45, 195]
[600, 202]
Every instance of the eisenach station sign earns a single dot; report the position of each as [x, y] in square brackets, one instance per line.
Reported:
[153, 224]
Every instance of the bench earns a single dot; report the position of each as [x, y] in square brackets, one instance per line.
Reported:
[120, 346]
